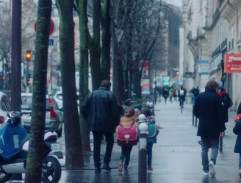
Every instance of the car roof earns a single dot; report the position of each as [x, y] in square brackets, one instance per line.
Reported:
[30, 95]
[2, 94]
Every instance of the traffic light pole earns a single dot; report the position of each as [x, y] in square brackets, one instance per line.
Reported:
[27, 78]
[16, 62]
[16, 56]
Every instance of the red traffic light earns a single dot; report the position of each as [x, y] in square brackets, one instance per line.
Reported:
[28, 55]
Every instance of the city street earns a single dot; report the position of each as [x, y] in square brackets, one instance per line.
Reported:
[176, 156]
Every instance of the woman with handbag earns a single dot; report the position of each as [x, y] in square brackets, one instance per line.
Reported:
[152, 133]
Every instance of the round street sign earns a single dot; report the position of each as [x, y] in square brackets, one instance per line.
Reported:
[51, 27]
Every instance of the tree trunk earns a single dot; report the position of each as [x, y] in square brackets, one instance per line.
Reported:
[126, 80]
[118, 74]
[95, 49]
[74, 156]
[137, 81]
[36, 138]
[106, 38]
[83, 90]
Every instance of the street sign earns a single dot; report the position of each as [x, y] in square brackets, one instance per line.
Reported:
[203, 66]
[233, 63]
[51, 42]
[146, 69]
[188, 75]
[51, 27]
[180, 82]
[146, 86]
[166, 80]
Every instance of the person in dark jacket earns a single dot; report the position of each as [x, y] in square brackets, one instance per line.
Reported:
[195, 93]
[101, 112]
[237, 148]
[165, 93]
[208, 108]
[226, 102]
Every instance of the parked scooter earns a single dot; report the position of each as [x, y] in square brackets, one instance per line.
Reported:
[13, 152]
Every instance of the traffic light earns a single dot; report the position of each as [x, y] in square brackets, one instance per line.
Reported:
[28, 83]
[28, 55]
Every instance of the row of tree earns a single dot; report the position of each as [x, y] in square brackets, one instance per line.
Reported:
[125, 32]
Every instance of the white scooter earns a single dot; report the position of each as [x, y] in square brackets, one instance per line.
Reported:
[14, 145]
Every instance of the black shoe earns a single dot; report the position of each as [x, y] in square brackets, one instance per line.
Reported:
[106, 167]
[97, 170]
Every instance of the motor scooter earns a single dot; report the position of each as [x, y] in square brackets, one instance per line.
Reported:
[14, 145]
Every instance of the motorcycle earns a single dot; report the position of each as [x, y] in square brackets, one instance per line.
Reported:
[14, 145]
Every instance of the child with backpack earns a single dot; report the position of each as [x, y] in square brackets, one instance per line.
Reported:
[152, 134]
[127, 137]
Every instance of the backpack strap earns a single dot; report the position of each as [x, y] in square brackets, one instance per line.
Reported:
[132, 124]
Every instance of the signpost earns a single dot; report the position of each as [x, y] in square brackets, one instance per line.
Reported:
[51, 27]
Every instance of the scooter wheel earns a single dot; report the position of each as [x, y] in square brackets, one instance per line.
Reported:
[4, 177]
[51, 170]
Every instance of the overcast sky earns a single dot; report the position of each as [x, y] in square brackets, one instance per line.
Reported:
[176, 2]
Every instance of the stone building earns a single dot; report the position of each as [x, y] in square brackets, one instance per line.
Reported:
[211, 29]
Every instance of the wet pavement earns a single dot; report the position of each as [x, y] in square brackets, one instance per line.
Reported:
[176, 156]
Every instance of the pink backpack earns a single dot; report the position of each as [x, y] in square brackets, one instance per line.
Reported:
[127, 136]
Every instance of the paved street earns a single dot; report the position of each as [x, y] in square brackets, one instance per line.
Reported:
[176, 156]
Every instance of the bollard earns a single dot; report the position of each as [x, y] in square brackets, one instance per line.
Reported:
[143, 128]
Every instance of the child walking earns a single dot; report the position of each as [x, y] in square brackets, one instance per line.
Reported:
[153, 132]
[237, 131]
[126, 121]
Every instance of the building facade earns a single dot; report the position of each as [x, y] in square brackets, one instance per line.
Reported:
[212, 29]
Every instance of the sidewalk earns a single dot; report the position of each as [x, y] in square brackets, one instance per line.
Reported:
[176, 156]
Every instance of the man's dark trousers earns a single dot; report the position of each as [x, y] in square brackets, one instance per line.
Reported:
[109, 146]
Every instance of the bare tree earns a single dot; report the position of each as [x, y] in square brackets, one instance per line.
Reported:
[36, 139]
[137, 26]
[74, 156]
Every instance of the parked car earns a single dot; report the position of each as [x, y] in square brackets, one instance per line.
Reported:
[5, 107]
[53, 117]
[58, 97]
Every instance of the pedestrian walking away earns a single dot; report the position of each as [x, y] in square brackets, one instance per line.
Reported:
[165, 93]
[170, 94]
[127, 137]
[182, 95]
[226, 102]
[208, 108]
[195, 93]
[152, 134]
[237, 131]
[101, 111]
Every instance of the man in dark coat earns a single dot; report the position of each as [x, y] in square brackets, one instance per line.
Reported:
[208, 108]
[100, 109]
